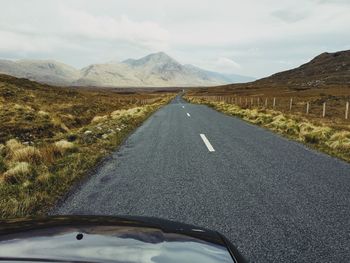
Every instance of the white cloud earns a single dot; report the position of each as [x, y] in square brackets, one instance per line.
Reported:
[257, 34]
[83, 24]
[225, 65]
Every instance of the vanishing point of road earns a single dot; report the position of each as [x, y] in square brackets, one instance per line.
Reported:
[275, 199]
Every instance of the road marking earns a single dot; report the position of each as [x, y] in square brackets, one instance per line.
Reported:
[207, 143]
[183, 107]
[188, 114]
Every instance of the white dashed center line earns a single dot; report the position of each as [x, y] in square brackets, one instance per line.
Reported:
[207, 143]
[188, 114]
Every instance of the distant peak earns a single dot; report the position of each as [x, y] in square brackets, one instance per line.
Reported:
[159, 57]
[160, 53]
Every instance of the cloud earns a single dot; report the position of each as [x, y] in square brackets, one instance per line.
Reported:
[85, 25]
[225, 65]
[248, 37]
[289, 16]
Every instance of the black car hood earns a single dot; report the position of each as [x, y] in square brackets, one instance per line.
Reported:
[111, 239]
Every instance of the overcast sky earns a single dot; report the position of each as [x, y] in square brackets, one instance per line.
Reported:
[248, 37]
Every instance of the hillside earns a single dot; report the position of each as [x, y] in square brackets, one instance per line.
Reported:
[45, 71]
[154, 70]
[325, 69]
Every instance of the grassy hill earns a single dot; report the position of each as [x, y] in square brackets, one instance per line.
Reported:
[325, 69]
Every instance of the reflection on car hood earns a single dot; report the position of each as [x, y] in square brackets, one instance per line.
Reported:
[106, 239]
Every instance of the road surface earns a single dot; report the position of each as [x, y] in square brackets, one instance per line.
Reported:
[275, 199]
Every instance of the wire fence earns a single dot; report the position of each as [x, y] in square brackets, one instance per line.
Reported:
[337, 107]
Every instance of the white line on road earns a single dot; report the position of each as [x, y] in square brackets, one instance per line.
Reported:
[188, 114]
[207, 143]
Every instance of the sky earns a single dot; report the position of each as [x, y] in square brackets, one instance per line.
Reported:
[252, 37]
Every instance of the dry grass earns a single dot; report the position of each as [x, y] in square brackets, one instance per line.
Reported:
[13, 145]
[97, 119]
[27, 154]
[51, 137]
[328, 139]
[63, 146]
[17, 173]
[136, 111]
[49, 153]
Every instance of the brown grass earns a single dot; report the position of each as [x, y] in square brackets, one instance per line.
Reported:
[51, 137]
[17, 173]
[27, 154]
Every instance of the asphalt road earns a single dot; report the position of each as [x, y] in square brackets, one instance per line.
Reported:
[275, 199]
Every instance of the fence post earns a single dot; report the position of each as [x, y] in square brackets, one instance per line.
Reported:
[291, 104]
[324, 110]
[240, 101]
[347, 110]
[258, 102]
[265, 102]
[307, 107]
[274, 103]
[251, 102]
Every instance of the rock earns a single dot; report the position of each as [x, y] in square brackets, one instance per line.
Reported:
[88, 132]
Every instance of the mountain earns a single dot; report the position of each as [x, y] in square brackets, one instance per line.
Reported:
[229, 78]
[107, 75]
[325, 69]
[46, 71]
[154, 70]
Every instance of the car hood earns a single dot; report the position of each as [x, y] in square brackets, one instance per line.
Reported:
[111, 239]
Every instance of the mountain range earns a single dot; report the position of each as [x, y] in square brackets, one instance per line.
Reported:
[154, 70]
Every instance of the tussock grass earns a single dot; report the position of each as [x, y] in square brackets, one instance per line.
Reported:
[13, 145]
[27, 154]
[136, 111]
[63, 146]
[97, 119]
[49, 153]
[328, 139]
[17, 173]
[50, 140]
